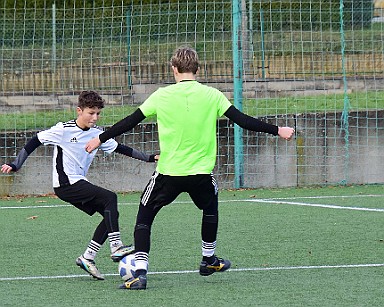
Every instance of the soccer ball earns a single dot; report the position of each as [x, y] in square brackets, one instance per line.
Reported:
[127, 267]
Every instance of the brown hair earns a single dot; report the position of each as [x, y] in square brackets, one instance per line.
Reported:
[185, 59]
[90, 99]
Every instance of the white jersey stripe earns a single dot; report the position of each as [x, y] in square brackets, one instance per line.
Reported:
[149, 189]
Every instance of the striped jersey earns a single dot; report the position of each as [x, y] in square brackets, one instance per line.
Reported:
[70, 159]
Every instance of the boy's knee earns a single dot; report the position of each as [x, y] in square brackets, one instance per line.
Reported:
[110, 198]
[141, 227]
[113, 196]
[210, 218]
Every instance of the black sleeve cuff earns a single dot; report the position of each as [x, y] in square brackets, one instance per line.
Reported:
[14, 168]
[152, 158]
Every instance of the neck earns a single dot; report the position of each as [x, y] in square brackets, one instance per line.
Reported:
[81, 125]
[184, 77]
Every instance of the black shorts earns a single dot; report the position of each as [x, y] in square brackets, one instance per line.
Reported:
[164, 189]
[86, 196]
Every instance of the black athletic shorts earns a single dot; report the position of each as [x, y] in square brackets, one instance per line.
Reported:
[163, 189]
[86, 196]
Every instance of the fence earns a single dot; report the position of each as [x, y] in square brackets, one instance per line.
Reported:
[120, 47]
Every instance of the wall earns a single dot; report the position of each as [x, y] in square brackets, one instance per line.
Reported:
[320, 154]
[260, 89]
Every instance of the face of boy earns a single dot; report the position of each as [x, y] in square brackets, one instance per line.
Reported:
[87, 117]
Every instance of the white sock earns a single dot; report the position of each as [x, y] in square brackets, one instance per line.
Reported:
[114, 241]
[91, 251]
[208, 248]
[141, 261]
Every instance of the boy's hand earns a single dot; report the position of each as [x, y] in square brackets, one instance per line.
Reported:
[6, 169]
[92, 145]
[286, 133]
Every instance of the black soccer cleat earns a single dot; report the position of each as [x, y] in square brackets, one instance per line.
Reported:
[135, 283]
[219, 265]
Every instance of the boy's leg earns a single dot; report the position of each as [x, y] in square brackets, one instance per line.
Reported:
[99, 237]
[204, 193]
[159, 192]
[105, 202]
[90, 198]
[87, 260]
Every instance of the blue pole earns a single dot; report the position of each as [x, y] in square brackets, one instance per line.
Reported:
[237, 88]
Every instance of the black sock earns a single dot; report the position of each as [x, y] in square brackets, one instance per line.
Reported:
[140, 272]
[209, 260]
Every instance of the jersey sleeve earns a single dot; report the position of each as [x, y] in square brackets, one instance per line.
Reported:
[24, 153]
[148, 107]
[52, 136]
[223, 103]
[250, 123]
[122, 126]
[109, 146]
[134, 153]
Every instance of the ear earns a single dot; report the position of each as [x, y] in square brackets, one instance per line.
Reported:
[78, 110]
[175, 70]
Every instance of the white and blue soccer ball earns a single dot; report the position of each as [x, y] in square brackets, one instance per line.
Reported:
[127, 267]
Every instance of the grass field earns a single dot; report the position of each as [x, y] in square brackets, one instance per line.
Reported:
[288, 247]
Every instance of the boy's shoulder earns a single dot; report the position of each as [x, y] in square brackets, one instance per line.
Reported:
[68, 124]
[98, 128]
[72, 124]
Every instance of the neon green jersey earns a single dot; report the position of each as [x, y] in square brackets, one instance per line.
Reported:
[187, 114]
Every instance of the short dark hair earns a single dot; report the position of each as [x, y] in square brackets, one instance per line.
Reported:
[185, 59]
[90, 99]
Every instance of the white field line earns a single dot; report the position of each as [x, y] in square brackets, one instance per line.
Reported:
[36, 207]
[280, 268]
[329, 196]
[267, 201]
[278, 200]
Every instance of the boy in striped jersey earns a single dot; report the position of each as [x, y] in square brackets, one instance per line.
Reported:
[70, 166]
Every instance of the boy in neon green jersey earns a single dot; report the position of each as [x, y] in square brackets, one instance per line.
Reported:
[187, 114]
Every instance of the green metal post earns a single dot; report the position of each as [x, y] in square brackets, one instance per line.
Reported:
[53, 58]
[262, 44]
[129, 71]
[347, 105]
[250, 17]
[237, 88]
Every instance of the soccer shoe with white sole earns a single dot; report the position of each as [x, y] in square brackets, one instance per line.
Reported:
[121, 252]
[220, 265]
[135, 283]
[90, 267]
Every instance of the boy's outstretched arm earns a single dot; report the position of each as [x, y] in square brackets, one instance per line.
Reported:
[250, 123]
[136, 154]
[120, 127]
[22, 156]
